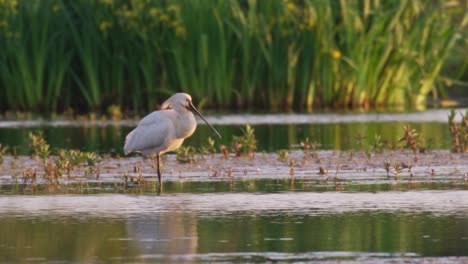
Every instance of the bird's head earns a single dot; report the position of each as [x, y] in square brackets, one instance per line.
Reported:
[178, 101]
[181, 102]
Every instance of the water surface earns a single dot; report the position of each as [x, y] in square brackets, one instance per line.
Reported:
[273, 131]
[377, 219]
[234, 227]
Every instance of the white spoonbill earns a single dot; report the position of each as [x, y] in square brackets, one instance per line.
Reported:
[165, 130]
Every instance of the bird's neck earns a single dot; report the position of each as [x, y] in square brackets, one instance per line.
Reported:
[186, 125]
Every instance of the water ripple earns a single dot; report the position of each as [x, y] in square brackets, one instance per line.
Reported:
[311, 203]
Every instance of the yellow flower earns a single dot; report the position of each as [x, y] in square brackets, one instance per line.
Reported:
[105, 25]
[310, 23]
[108, 2]
[336, 54]
[55, 8]
[164, 18]
[180, 32]
[291, 7]
[173, 8]
[154, 11]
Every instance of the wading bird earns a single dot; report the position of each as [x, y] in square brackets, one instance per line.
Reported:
[165, 130]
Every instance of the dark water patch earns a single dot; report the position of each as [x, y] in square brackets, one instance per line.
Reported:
[343, 136]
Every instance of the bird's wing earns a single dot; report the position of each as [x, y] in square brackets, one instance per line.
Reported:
[151, 134]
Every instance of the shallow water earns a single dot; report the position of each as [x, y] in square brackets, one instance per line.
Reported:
[236, 226]
[365, 217]
[273, 131]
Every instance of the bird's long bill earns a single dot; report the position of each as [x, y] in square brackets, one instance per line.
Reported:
[200, 115]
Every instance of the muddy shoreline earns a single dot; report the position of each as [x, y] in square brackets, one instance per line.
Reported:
[339, 167]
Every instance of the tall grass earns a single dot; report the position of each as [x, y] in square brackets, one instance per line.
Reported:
[277, 55]
[34, 59]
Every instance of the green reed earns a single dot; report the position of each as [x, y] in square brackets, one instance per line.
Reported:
[277, 55]
[34, 59]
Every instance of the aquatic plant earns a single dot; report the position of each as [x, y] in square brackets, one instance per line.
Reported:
[387, 166]
[459, 131]
[186, 154]
[3, 151]
[39, 145]
[306, 146]
[210, 149]
[283, 155]
[65, 161]
[411, 139]
[245, 144]
[68, 160]
[323, 171]
[29, 174]
[397, 169]
[225, 151]
[377, 145]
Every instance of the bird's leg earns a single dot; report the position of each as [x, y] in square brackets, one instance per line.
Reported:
[158, 162]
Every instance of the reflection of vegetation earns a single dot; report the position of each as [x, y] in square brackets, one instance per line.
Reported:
[341, 232]
[67, 239]
[275, 54]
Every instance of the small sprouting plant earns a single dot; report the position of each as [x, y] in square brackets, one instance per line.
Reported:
[323, 171]
[186, 154]
[376, 146]
[306, 146]
[411, 137]
[425, 145]
[360, 141]
[67, 160]
[459, 132]
[29, 174]
[315, 145]
[245, 144]
[3, 151]
[39, 146]
[92, 160]
[210, 149]
[283, 155]
[63, 163]
[387, 165]
[13, 164]
[225, 151]
[453, 126]
[397, 167]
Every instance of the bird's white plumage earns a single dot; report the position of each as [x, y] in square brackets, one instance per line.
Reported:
[164, 130]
